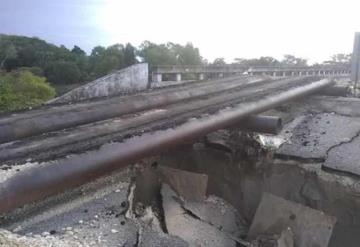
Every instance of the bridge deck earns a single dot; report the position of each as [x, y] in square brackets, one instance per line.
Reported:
[102, 147]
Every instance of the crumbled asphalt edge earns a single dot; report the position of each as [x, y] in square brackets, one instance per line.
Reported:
[322, 159]
[159, 211]
[156, 205]
[130, 199]
[138, 237]
[157, 208]
[35, 208]
[297, 158]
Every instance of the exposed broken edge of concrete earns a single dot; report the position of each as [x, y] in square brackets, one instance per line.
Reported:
[274, 215]
[160, 198]
[130, 79]
[187, 226]
[190, 185]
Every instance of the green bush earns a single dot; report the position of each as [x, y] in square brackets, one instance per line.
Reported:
[34, 70]
[22, 89]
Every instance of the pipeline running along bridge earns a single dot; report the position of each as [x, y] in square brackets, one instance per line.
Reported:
[79, 142]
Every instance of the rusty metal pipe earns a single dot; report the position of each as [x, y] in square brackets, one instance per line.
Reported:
[261, 124]
[34, 184]
[60, 117]
[340, 91]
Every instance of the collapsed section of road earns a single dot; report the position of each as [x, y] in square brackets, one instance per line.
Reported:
[57, 176]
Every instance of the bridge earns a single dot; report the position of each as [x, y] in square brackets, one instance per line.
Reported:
[201, 72]
[157, 71]
[60, 163]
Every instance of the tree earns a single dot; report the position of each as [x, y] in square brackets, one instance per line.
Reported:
[169, 54]
[78, 51]
[63, 72]
[24, 52]
[104, 60]
[262, 61]
[22, 89]
[7, 51]
[219, 61]
[106, 65]
[293, 61]
[129, 55]
[157, 54]
[34, 70]
[339, 59]
[185, 55]
[82, 62]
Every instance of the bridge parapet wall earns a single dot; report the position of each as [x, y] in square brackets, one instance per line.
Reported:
[130, 79]
[218, 71]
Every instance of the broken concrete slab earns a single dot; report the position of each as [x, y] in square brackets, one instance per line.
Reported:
[188, 227]
[303, 182]
[344, 157]
[189, 185]
[310, 227]
[285, 239]
[150, 238]
[220, 214]
[314, 136]
[219, 140]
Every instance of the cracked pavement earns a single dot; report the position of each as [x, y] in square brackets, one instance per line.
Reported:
[329, 138]
[318, 133]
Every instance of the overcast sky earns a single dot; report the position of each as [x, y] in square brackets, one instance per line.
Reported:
[313, 29]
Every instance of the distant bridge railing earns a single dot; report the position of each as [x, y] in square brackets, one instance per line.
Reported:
[204, 71]
[230, 68]
[279, 71]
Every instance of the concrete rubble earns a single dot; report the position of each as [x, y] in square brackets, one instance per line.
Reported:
[317, 146]
[284, 239]
[189, 227]
[10, 239]
[191, 186]
[197, 219]
[219, 213]
[309, 227]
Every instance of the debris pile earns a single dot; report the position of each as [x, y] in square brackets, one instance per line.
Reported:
[202, 220]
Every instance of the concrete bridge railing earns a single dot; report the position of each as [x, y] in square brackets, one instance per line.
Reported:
[299, 71]
[205, 71]
[200, 70]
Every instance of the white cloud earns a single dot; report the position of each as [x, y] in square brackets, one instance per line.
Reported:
[314, 29]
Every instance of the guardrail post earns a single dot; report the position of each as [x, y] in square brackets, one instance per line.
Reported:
[178, 77]
[156, 77]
